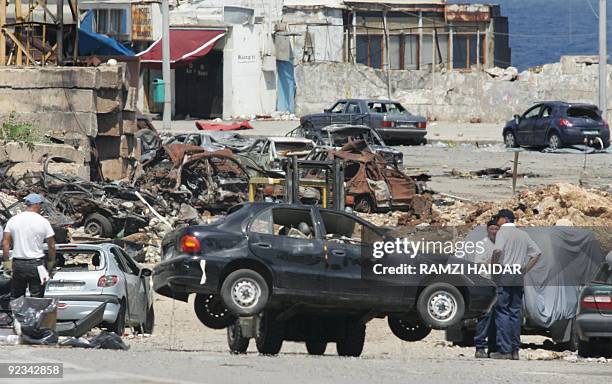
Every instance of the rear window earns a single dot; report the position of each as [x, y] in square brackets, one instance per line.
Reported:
[604, 275]
[79, 261]
[581, 112]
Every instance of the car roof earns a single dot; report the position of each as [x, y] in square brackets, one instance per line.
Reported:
[288, 139]
[566, 104]
[85, 247]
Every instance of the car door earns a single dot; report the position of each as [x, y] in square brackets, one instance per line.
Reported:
[353, 113]
[540, 128]
[132, 285]
[296, 258]
[524, 130]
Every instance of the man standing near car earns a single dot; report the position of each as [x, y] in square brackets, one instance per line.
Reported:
[485, 329]
[513, 246]
[27, 233]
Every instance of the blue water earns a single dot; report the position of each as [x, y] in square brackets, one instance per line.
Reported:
[541, 31]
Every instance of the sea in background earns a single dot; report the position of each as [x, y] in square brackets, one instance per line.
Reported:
[541, 31]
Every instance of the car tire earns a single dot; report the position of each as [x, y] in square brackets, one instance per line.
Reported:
[363, 204]
[510, 140]
[212, 312]
[119, 325]
[316, 347]
[554, 141]
[352, 343]
[586, 348]
[270, 334]
[235, 341]
[441, 305]
[408, 329]
[245, 292]
[98, 225]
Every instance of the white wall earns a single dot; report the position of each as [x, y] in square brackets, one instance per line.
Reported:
[247, 89]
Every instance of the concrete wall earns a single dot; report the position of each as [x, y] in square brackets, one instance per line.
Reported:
[247, 88]
[448, 96]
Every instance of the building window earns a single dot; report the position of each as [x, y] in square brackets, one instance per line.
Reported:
[111, 22]
[370, 50]
[465, 48]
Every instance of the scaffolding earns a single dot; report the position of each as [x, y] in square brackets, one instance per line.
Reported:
[32, 34]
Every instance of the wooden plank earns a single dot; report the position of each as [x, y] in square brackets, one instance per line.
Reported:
[18, 43]
[19, 18]
[2, 37]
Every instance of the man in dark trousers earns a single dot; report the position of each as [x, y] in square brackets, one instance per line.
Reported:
[513, 247]
[485, 329]
[27, 233]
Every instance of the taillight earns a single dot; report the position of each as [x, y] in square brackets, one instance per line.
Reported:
[565, 123]
[62, 306]
[388, 124]
[107, 281]
[597, 302]
[190, 244]
[422, 125]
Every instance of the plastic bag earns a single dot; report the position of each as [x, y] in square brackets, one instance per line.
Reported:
[75, 342]
[35, 319]
[108, 340]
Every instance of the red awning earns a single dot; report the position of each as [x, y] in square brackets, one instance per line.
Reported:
[186, 45]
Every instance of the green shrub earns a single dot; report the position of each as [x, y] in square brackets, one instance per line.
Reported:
[14, 129]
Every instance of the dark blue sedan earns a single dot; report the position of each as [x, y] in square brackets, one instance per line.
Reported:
[557, 124]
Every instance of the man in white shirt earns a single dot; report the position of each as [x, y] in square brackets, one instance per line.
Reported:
[27, 233]
[513, 247]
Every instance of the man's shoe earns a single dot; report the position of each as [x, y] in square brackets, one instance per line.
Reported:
[481, 354]
[515, 355]
[501, 356]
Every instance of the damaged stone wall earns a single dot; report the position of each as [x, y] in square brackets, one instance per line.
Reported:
[450, 95]
[78, 106]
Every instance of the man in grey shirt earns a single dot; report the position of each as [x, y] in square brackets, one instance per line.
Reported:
[513, 247]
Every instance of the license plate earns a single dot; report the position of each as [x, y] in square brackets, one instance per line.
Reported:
[590, 132]
[64, 287]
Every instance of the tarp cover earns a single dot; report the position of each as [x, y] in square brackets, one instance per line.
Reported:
[570, 258]
[91, 43]
[186, 45]
[205, 126]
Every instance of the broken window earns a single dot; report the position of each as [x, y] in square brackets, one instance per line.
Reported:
[377, 108]
[284, 222]
[339, 107]
[533, 113]
[285, 148]
[395, 108]
[346, 229]
[79, 261]
[353, 108]
[546, 111]
[604, 275]
[465, 49]
[586, 113]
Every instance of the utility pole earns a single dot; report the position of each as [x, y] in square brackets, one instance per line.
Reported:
[603, 59]
[167, 116]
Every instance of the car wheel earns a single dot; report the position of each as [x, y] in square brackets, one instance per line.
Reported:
[586, 348]
[554, 141]
[244, 292]
[441, 306]
[408, 329]
[98, 225]
[235, 341]
[510, 140]
[270, 334]
[119, 326]
[352, 342]
[316, 348]
[364, 204]
[211, 311]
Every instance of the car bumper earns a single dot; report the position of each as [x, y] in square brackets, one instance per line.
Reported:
[577, 138]
[591, 325]
[398, 134]
[73, 307]
[187, 274]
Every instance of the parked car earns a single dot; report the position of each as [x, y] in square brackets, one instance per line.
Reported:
[594, 318]
[337, 135]
[268, 153]
[310, 265]
[87, 275]
[389, 118]
[557, 124]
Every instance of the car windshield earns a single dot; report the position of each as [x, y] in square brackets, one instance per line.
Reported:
[284, 148]
[79, 261]
[390, 108]
[585, 113]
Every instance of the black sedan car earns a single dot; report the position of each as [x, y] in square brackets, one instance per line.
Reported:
[389, 118]
[557, 124]
[310, 273]
[594, 317]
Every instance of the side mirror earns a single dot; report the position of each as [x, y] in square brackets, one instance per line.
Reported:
[327, 110]
[145, 272]
[517, 119]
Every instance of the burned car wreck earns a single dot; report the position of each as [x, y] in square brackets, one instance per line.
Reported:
[282, 262]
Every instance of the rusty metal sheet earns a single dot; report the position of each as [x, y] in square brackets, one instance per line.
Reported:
[467, 12]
